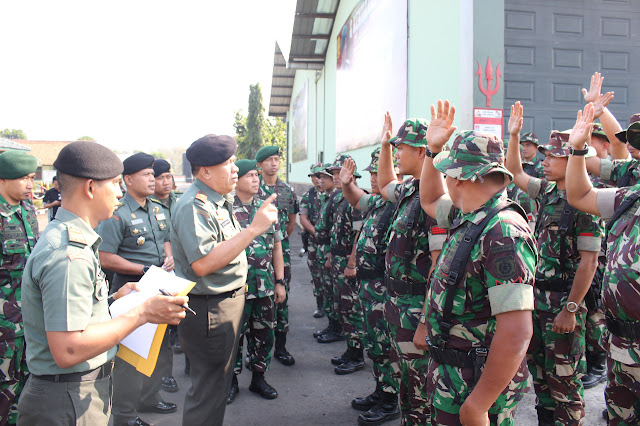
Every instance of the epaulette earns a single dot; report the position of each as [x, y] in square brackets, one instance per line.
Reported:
[120, 204]
[76, 237]
[201, 196]
[155, 200]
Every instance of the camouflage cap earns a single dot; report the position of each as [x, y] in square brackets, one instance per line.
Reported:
[339, 162]
[412, 132]
[375, 161]
[633, 135]
[530, 137]
[316, 168]
[622, 136]
[558, 145]
[473, 154]
[599, 131]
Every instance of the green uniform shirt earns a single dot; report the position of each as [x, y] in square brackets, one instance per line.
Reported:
[167, 203]
[620, 173]
[63, 289]
[372, 242]
[136, 233]
[202, 219]
[287, 202]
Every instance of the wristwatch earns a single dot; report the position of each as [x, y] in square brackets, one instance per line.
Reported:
[422, 319]
[572, 307]
[145, 269]
[280, 281]
[579, 152]
[430, 153]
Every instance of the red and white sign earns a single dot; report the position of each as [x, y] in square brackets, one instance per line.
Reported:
[488, 120]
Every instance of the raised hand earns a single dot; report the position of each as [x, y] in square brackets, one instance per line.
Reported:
[266, 215]
[346, 173]
[515, 121]
[601, 103]
[581, 131]
[594, 90]
[387, 129]
[440, 128]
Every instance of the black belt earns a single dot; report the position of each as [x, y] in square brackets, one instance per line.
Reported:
[560, 286]
[475, 358]
[371, 274]
[338, 252]
[225, 295]
[324, 240]
[405, 287]
[83, 376]
[621, 328]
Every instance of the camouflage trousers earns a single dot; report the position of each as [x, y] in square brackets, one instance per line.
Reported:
[375, 333]
[14, 375]
[315, 268]
[282, 309]
[409, 364]
[327, 283]
[596, 329]
[258, 321]
[439, 417]
[346, 299]
[622, 393]
[557, 362]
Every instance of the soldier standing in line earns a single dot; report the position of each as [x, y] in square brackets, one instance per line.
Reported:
[479, 304]
[621, 283]
[265, 285]
[568, 244]
[370, 253]
[133, 239]
[533, 167]
[346, 224]
[18, 235]
[414, 245]
[310, 205]
[268, 159]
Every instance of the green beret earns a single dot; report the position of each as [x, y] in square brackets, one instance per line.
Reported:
[245, 166]
[17, 164]
[266, 152]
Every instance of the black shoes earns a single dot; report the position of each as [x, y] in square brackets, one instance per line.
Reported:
[169, 384]
[352, 363]
[233, 390]
[337, 360]
[319, 333]
[162, 408]
[137, 422]
[319, 312]
[596, 370]
[260, 386]
[280, 353]
[385, 410]
[333, 334]
[369, 401]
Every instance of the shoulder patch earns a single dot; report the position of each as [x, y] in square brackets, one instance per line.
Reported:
[201, 196]
[75, 235]
[505, 267]
[115, 217]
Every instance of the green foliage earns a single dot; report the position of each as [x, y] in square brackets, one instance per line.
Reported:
[86, 138]
[13, 134]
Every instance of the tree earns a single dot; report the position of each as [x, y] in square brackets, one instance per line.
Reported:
[86, 138]
[251, 140]
[13, 134]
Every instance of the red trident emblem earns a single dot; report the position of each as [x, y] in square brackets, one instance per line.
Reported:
[488, 92]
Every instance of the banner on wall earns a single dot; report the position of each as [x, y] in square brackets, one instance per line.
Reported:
[299, 123]
[371, 76]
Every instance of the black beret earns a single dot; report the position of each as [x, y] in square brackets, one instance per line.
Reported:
[88, 160]
[135, 163]
[266, 152]
[160, 167]
[17, 164]
[211, 150]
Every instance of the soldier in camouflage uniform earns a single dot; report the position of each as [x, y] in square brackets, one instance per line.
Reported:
[18, 235]
[414, 242]
[268, 159]
[265, 285]
[480, 296]
[369, 260]
[533, 167]
[310, 205]
[621, 285]
[568, 243]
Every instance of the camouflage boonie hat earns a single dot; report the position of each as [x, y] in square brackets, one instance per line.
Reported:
[530, 137]
[599, 131]
[473, 154]
[632, 135]
[375, 161]
[339, 162]
[558, 145]
[622, 136]
[412, 132]
[315, 169]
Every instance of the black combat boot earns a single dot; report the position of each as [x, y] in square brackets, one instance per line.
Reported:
[260, 386]
[337, 360]
[596, 370]
[545, 417]
[233, 390]
[280, 353]
[369, 401]
[333, 335]
[319, 333]
[354, 363]
[385, 410]
[319, 313]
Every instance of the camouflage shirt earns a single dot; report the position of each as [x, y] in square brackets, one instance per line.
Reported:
[532, 168]
[261, 274]
[18, 235]
[325, 218]
[311, 203]
[620, 173]
[585, 235]
[347, 221]
[621, 283]
[499, 278]
[412, 234]
[287, 201]
[372, 243]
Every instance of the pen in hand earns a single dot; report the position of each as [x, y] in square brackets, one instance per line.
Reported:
[184, 306]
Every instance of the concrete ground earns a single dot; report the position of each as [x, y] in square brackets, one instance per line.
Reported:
[310, 393]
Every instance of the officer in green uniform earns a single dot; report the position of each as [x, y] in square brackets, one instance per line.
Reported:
[209, 249]
[133, 239]
[70, 337]
[18, 235]
[268, 159]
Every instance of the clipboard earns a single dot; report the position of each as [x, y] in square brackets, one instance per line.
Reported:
[149, 286]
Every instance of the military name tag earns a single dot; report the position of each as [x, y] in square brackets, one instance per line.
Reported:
[225, 223]
[136, 221]
[160, 216]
